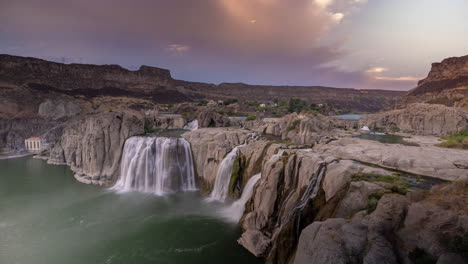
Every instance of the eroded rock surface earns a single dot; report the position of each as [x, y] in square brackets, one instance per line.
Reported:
[93, 146]
[425, 119]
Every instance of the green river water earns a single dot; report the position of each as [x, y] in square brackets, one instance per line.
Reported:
[47, 217]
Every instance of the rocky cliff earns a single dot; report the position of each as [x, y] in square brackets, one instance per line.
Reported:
[93, 146]
[366, 185]
[448, 74]
[446, 83]
[426, 119]
[91, 80]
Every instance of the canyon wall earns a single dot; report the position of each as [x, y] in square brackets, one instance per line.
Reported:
[93, 146]
[302, 189]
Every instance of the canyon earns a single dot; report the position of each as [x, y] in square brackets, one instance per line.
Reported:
[304, 187]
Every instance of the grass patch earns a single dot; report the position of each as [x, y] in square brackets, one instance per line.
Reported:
[456, 140]
[399, 185]
[251, 117]
[373, 202]
[149, 130]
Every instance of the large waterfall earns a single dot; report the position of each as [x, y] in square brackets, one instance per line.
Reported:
[223, 176]
[236, 210]
[156, 165]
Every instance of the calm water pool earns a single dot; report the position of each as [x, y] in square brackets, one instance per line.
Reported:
[47, 217]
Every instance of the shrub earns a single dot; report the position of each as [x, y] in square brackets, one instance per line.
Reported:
[456, 140]
[373, 202]
[149, 130]
[230, 101]
[296, 105]
[251, 117]
[202, 102]
[293, 125]
[420, 256]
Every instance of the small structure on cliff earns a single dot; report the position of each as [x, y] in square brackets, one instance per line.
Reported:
[34, 144]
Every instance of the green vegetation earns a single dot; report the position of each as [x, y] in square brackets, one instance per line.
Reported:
[296, 105]
[149, 130]
[311, 112]
[373, 202]
[251, 117]
[230, 101]
[220, 111]
[253, 103]
[456, 140]
[459, 245]
[399, 185]
[442, 100]
[294, 125]
[202, 102]
[420, 256]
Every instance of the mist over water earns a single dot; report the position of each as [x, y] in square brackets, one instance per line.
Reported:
[48, 217]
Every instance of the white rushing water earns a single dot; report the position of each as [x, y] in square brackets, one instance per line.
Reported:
[236, 210]
[223, 176]
[156, 165]
[192, 125]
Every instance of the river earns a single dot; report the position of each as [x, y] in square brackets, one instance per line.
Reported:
[47, 217]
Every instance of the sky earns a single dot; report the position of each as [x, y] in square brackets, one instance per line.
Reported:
[363, 44]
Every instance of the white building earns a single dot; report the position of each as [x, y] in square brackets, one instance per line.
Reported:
[34, 144]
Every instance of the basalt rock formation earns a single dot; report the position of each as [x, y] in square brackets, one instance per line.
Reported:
[446, 83]
[90, 80]
[93, 146]
[302, 187]
[425, 119]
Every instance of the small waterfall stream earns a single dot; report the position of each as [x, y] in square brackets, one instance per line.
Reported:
[223, 176]
[192, 125]
[156, 165]
[236, 210]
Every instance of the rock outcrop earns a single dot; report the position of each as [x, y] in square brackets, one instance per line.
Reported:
[297, 128]
[429, 161]
[399, 226]
[209, 147]
[448, 74]
[56, 110]
[425, 119]
[212, 119]
[93, 146]
[446, 84]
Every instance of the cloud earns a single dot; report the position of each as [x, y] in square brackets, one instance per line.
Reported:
[376, 70]
[256, 41]
[177, 48]
[403, 79]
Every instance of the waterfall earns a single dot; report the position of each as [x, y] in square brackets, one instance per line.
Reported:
[156, 165]
[236, 210]
[192, 125]
[223, 177]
